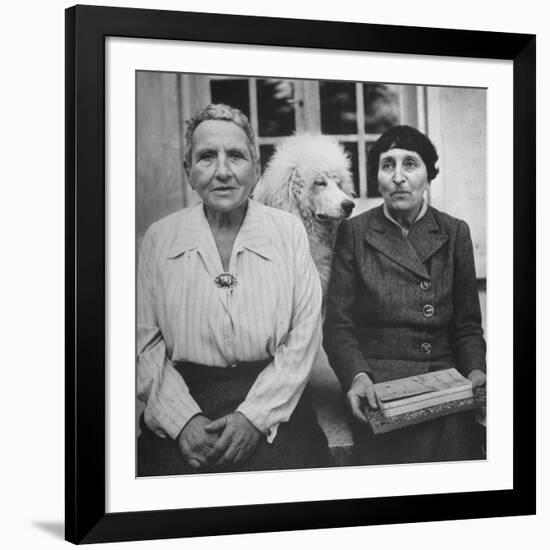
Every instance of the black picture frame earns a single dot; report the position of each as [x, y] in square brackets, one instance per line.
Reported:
[86, 30]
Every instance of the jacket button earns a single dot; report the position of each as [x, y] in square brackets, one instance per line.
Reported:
[428, 310]
[425, 284]
[426, 348]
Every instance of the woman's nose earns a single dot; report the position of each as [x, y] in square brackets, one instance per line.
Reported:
[222, 169]
[398, 175]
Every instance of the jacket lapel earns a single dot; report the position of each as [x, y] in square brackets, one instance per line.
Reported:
[423, 241]
[426, 236]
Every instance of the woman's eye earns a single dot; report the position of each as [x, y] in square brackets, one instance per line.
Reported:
[320, 183]
[410, 163]
[236, 155]
[206, 156]
[386, 166]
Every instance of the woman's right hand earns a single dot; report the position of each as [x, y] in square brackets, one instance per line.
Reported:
[477, 378]
[195, 442]
[362, 389]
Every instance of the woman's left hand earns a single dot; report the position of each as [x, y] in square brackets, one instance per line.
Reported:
[238, 438]
[477, 378]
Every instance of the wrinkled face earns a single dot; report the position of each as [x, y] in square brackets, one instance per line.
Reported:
[402, 180]
[327, 196]
[222, 170]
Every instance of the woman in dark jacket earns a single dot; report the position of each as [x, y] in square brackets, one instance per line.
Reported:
[402, 301]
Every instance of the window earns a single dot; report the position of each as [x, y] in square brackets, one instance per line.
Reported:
[355, 113]
[270, 104]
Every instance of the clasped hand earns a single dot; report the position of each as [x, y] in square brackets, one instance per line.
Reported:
[230, 439]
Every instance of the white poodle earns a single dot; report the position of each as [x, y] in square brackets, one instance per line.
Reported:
[309, 175]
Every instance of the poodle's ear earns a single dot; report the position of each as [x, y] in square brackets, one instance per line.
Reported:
[275, 185]
[293, 179]
[281, 196]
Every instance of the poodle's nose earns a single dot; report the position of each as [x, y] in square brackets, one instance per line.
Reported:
[347, 207]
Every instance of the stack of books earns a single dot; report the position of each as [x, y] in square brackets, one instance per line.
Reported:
[405, 395]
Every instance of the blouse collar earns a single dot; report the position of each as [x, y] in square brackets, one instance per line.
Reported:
[194, 232]
[404, 230]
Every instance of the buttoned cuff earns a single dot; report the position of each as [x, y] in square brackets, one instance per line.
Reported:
[258, 419]
[271, 433]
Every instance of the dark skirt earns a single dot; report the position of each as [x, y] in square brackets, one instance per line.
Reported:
[447, 438]
[300, 442]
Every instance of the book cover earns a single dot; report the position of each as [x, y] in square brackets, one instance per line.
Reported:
[382, 424]
[409, 407]
[448, 381]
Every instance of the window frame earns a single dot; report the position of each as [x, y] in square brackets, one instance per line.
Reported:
[307, 111]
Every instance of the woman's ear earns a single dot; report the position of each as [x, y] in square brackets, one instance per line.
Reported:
[187, 170]
[427, 188]
[255, 186]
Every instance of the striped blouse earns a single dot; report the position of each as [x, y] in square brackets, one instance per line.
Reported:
[274, 311]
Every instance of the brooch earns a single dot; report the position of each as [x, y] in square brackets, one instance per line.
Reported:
[226, 280]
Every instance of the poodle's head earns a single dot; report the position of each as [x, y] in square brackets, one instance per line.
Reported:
[310, 175]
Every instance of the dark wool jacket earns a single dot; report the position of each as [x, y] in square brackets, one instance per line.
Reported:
[399, 306]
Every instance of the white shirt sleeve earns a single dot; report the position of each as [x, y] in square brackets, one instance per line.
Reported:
[276, 391]
[169, 405]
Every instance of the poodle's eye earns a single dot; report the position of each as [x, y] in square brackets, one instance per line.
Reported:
[320, 183]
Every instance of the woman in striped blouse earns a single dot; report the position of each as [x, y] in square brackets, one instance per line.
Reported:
[229, 320]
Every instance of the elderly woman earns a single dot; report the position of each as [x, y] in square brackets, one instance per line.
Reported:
[402, 301]
[229, 320]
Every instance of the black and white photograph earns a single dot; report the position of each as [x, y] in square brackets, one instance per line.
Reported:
[275, 275]
[300, 275]
[310, 273]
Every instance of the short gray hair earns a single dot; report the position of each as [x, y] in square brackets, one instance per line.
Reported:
[219, 111]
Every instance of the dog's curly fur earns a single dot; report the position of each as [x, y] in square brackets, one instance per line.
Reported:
[309, 176]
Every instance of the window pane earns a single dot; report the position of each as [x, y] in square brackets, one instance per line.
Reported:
[372, 187]
[351, 149]
[266, 152]
[381, 107]
[232, 92]
[275, 108]
[338, 107]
